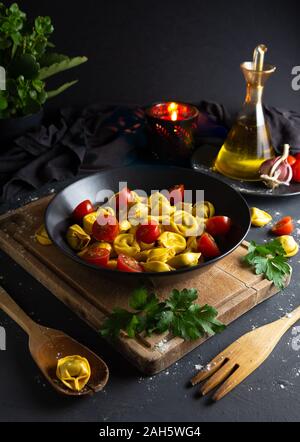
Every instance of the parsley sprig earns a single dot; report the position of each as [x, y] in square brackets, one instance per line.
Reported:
[269, 259]
[178, 314]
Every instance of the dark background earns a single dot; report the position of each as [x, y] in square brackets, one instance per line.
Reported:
[140, 52]
[189, 50]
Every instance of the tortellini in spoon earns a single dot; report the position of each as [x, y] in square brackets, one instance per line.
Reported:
[74, 372]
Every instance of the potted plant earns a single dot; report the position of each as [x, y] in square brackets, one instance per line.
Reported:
[27, 60]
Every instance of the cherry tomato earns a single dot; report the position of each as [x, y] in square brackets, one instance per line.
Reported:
[296, 170]
[105, 228]
[96, 255]
[218, 225]
[291, 160]
[208, 246]
[128, 264]
[84, 208]
[284, 227]
[123, 198]
[176, 194]
[148, 233]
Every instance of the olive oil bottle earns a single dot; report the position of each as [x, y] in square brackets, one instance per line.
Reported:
[248, 143]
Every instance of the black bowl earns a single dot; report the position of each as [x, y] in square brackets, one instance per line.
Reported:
[226, 200]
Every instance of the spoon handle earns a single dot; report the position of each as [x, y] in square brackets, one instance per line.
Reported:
[8, 305]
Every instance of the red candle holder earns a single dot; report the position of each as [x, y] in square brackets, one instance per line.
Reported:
[171, 129]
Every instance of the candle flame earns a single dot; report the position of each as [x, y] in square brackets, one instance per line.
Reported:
[173, 111]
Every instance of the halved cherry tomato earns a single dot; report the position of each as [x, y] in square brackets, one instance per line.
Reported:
[218, 225]
[296, 170]
[208, 246]
[148, 233]
[176, 194]
[123, 198]
[84, 208]
[96, 255]
[291, 160]
[128, 264]
[105, 228]
[284, 227]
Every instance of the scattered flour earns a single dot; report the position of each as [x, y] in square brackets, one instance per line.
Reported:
[198, 367]
[162, 345]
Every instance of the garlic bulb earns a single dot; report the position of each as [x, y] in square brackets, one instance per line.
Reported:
[277, 171]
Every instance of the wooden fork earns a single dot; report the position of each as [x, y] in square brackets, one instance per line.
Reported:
[242, 357]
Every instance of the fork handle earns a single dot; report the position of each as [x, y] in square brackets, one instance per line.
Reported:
[289, 320]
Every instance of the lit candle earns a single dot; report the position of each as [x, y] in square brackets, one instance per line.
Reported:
[171, 129]
[172, 111]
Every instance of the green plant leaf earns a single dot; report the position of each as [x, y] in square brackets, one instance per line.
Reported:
[43, 25]
[50, 58]
[61, 66]
[178, 314]
[132, 326]
[59, 90]
[139, 298]
[25, 65]
[269, 259]
[117, 321]
[3, 102]
[182, 299]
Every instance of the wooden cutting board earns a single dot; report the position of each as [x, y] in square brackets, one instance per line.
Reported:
[229, 286]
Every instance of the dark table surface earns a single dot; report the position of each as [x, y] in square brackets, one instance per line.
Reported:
[272, 393]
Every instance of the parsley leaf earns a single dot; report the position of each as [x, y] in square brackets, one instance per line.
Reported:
[178, 314]
[269, 260]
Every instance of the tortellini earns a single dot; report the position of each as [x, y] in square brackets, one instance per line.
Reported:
[42, 237]
[74, 372]
[126, 244]
[88, 222]
[145, 246]
[186, 224]
[157, 266]
[204, 209]
[160, 254]
[138, 214]
[192, 244]
[184, 260]
[105, 210]
[112, 264]
[124, 226]
[171, 240]
[77, 238]
[173, 232]
[160, 205]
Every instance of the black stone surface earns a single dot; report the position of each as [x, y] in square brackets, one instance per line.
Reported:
[272, 393]
[141, 53]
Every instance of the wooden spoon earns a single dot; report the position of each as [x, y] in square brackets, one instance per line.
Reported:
[47, 345]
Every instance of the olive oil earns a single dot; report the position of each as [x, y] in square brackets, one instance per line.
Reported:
[248, 143]
[245, 149]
